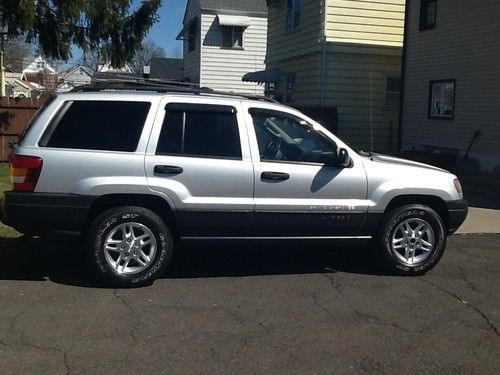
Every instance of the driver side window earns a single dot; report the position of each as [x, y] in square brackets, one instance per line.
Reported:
[283, 137]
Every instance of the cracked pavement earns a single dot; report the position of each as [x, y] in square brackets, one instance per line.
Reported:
[262, 308]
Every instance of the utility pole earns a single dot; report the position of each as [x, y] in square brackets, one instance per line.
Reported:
[3, 35]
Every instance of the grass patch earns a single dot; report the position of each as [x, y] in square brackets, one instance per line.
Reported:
[6, 231]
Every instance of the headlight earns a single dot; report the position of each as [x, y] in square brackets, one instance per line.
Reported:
[458, 186]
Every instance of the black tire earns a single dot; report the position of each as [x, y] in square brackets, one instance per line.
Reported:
[390, 223]
[139, 217]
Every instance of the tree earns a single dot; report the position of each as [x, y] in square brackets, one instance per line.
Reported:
[108, 25]
[16, 50]
[145, 53]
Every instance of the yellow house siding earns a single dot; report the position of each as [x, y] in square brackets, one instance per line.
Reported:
[348, 87]
[379, 22]
[283, 44]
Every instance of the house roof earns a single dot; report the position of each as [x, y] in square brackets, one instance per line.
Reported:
[255, 6]
[167, 68]
[74, 69]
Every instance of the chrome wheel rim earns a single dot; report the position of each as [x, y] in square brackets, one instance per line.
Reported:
[130, 248]
[413, 241]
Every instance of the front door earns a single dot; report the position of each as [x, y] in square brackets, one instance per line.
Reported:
[296, 193]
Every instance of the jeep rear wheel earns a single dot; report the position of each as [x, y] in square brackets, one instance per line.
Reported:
[130, 246]
[412, 239]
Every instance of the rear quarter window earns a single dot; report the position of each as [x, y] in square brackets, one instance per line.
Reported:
[98, 125]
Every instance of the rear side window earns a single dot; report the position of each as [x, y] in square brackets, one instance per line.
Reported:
[200, 131]
[98, 125]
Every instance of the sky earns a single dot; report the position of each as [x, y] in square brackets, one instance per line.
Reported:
[168, 26]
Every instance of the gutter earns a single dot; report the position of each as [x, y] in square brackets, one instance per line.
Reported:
[403, 74]
[323, 58]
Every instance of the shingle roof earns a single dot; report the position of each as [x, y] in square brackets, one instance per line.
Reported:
[167, 68]
[258, 6]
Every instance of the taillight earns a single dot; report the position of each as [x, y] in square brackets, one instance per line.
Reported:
[24, 172]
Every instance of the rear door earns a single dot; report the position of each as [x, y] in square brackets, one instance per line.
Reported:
[198, 157]
[297, 194]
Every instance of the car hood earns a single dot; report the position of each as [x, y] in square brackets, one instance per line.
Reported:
[381, 158]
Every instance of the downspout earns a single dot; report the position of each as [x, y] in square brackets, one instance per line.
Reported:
[323, 57]
[403, 74]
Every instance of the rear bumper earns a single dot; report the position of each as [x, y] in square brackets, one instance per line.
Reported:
[46, 214]
[457, 212]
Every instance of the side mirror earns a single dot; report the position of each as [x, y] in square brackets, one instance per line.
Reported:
[343, 158]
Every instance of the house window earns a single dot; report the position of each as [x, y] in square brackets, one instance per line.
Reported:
[442, 99]
[428, 11]
[192, 31]
[289, 88]
[293, 14]
[232, 37]
[392, 91]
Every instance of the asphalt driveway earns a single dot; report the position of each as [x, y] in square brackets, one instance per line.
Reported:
[303, 308]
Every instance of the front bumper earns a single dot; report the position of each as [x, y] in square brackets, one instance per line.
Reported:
[51, 215]
[457, 212]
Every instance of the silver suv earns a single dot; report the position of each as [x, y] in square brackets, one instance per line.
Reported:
[133, 172]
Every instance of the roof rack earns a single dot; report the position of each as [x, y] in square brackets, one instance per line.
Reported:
[161, 86]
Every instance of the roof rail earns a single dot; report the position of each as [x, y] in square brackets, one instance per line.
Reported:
[161, 86]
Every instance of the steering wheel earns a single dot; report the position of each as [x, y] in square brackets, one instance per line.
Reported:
[273, 150]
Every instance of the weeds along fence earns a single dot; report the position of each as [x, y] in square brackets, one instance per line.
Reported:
[15, 114]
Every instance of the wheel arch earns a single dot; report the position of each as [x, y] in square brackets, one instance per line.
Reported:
[151, 202]
[434, 202]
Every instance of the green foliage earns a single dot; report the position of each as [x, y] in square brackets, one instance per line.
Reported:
[107, 25]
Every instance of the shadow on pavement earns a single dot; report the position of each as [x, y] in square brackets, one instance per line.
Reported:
[38, 260]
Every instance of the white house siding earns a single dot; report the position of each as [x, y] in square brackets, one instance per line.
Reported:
[364, 118]
[192, 58]
[464, 46]
[223, 68]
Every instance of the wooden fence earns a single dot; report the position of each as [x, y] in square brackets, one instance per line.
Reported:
[15, 114]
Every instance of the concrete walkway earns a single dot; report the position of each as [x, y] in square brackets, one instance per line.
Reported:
[483, 194]
[481, 220]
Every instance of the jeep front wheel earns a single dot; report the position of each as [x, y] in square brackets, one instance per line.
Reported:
[412, 239]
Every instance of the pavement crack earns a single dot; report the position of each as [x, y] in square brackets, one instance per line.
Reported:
[333, 282]
[492, 327]
[65, 362]
[264, 328]
[377, 320]
[64, 353]
[132, 312]
[314, 297]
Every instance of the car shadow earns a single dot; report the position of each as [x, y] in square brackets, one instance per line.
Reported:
[33, 259]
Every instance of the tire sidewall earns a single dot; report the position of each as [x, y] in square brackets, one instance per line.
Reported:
[109, 220]
[419, 212]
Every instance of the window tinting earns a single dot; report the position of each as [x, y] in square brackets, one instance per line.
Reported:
[286, 138]
[204, 131]
[100, 125]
